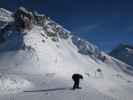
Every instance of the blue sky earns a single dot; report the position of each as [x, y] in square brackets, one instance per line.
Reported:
[105, 23]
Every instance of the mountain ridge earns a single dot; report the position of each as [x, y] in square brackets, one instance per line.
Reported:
[44, 55]
[123, 52]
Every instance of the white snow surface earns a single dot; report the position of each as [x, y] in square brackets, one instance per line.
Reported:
[5, 15]
[13, 84]
[43, 70]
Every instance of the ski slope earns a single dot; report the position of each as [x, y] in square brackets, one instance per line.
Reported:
[31, 61]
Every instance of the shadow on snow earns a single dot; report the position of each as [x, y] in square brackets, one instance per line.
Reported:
[48, 90]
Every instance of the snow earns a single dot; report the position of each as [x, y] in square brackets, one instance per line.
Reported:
[44, 70]
[5, 15]
[12, 84]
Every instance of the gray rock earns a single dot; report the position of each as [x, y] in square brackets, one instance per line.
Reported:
[23, 19]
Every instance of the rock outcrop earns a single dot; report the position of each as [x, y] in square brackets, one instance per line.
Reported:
[23, 19]
[39, 19]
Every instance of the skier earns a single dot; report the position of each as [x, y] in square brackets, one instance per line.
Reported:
[76, 78]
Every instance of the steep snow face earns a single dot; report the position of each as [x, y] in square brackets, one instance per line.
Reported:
[45, 58]
[85, 47]
[55, 62]
[124, 53]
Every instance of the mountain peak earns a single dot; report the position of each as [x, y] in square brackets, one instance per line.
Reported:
[123, 52]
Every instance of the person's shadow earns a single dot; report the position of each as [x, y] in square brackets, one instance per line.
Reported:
[48, 90]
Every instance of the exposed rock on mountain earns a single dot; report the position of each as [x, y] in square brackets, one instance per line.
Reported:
[23, 19]
[39, 19]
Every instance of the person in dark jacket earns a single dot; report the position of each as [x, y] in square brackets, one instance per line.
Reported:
[76, 78]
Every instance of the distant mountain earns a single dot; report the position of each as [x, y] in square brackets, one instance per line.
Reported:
[123, 52]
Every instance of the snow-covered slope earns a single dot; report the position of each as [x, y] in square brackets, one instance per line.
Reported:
[45, 57]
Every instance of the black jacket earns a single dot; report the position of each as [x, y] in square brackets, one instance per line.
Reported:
[77, 76]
